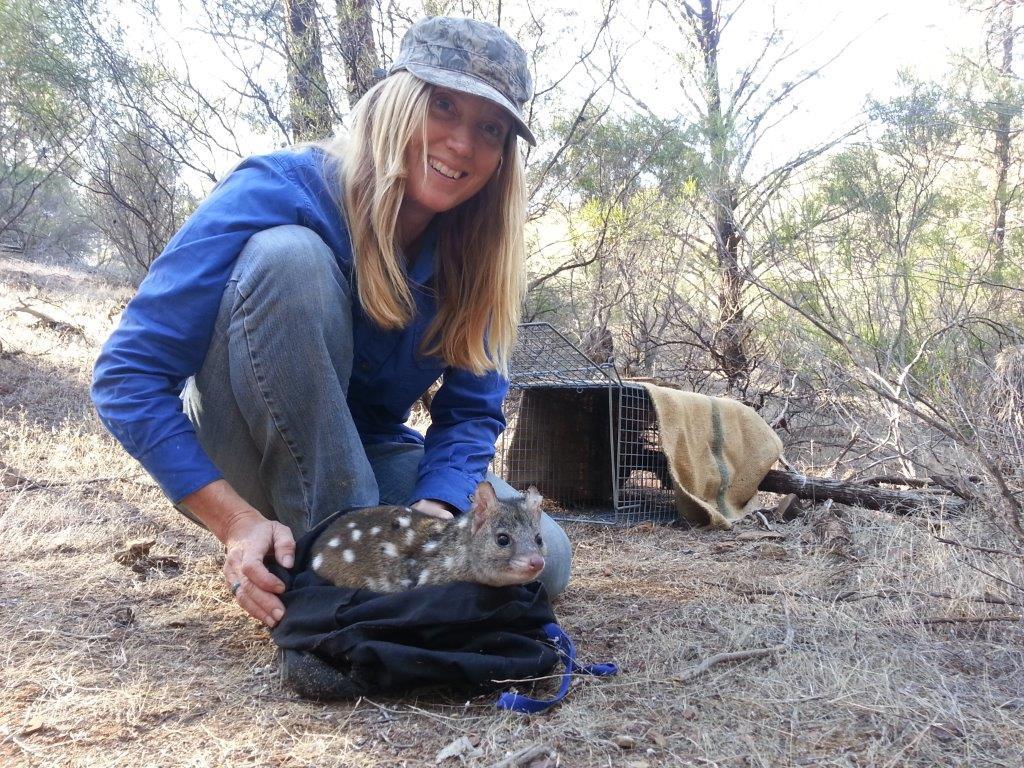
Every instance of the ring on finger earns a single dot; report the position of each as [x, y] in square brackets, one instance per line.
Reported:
[235, 587]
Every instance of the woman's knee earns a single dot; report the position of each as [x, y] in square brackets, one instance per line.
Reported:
[289, 259]
[557, 557]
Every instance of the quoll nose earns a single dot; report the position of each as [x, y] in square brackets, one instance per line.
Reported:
[536, 563]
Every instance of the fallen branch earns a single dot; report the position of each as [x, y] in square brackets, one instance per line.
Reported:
[859, 495]
[950, 484]
[49, 320]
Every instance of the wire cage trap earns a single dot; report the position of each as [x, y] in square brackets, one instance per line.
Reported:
[585, 438]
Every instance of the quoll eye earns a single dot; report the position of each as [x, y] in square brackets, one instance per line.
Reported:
[539, 540]
[503, 539]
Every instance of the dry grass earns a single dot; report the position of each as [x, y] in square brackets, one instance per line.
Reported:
[900, 654]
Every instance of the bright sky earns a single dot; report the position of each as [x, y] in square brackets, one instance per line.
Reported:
[883, 36]
[880, 36]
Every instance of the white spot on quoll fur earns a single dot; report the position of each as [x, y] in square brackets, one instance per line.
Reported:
[389, 549]
[463, 522]
[357, 535]
[449, 563]
[352, 524]
[403, 521]
[424, 575]
[317, 562]
[407, 583]
[334, 542]
[375, 530]
[430, 546]
[410, 535]
[348, 555]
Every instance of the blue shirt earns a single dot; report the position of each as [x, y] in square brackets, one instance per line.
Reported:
[166, 329]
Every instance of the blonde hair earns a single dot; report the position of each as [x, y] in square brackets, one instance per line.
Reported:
[480, 247]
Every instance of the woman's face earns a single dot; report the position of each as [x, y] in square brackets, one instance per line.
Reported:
[465, 137]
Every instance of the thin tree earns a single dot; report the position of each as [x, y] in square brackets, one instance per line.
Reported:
[307, 84]
[1003, 30]
[358, 49]
[733, 121]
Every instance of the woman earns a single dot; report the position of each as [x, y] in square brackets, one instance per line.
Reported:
[316, 294]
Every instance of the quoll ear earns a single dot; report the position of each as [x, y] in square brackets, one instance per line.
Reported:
[532, 502]
[485, 503]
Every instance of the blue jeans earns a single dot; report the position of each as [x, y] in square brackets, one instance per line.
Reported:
[270, 403]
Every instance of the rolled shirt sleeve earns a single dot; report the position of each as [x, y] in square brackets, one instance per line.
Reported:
[165, 330]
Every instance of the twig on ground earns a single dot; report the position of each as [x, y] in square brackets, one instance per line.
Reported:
[924, 482]
[967, 619]
[986, 550]
[722, 658]
[854, 594]
[524, 756]
[19, 743]
[12, 481]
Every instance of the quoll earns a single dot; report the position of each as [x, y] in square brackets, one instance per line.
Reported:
[392, 549]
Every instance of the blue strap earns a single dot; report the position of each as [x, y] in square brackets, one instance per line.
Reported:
[516, 702]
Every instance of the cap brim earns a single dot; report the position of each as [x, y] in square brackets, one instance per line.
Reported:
[460, 81]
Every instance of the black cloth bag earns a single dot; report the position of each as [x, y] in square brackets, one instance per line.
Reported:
[461, 636]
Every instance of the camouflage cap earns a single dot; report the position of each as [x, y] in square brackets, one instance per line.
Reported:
[472, 57]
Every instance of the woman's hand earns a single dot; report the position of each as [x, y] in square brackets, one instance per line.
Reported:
[248, 537]
[434, 508]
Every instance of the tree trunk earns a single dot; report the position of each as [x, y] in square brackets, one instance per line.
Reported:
[307, 85]
[731, 334]
[355, 30]
[1004, 114]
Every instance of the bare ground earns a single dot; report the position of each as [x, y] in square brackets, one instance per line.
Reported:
[890, 647]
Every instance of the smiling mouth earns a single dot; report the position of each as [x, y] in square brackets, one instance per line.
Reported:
[444, 170]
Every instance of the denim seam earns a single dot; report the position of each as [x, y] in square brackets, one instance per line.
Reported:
[304, 483]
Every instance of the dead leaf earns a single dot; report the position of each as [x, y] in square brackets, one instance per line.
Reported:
[134, 552]
[622, 741]
[136, 556]
[461, 748]
[34, 726]
[759, 535]
[945, 731]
